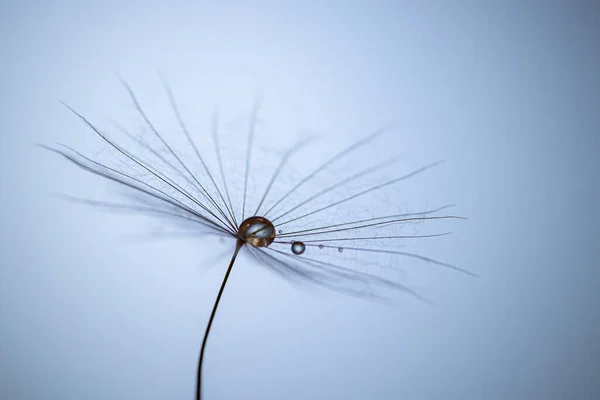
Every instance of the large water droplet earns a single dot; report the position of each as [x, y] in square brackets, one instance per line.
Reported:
[257, 231]
[298, 248]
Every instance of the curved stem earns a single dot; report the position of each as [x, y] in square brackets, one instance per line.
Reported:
[238, 246]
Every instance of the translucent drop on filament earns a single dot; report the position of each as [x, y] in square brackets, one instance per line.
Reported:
[298, 248]
[257, 231]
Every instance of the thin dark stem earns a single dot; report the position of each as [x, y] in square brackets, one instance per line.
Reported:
[238, 246]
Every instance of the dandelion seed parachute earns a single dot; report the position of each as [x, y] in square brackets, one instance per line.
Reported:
[184, 195]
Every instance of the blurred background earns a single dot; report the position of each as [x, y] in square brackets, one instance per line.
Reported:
[507, 93]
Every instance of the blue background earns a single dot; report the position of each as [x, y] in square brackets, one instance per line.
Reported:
[508, 93]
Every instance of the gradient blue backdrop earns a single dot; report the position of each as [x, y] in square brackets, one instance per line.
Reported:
[507, 92]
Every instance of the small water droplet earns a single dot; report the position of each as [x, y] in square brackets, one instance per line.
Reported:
[280, 231]
[340, 249]
[298, 247]
[320, 246]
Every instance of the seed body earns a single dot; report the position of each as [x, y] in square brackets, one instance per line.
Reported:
[257, 231]
[298, 248]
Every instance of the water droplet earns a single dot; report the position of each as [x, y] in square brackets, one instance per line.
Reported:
[257, 231]
[320, 246]
[298, 248]
[280, 231]
[340, 249]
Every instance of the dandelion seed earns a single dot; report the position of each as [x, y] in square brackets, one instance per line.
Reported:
[163, 183]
